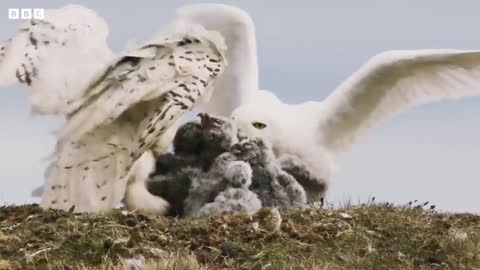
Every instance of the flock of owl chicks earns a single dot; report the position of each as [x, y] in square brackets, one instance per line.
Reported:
[210, 173]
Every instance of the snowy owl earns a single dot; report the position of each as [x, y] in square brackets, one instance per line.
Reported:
[119, 106]
[389, 83]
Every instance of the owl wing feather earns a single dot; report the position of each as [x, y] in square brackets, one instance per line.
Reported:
[47, 56]
[125, 112]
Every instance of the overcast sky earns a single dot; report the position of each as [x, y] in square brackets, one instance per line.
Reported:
[305, 48]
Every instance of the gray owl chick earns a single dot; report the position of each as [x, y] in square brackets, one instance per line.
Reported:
[237, 197]
[273, 186]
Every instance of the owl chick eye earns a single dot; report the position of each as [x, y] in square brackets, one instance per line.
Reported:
[259, 125]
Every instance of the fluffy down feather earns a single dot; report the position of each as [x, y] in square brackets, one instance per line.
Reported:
[193, 175]
[230, 201]
[273, 186]
[243, 178]
[236, 198]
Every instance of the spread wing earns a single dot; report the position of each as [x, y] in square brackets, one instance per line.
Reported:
[239, 82]
[56, 58]
[174, 73]
[127, 110]
[392, 82]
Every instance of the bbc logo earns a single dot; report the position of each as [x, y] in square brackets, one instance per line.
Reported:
[26, 13]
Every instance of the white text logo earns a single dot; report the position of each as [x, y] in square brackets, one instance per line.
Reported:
[26, 13]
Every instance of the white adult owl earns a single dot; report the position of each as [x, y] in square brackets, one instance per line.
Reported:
[389, 83]
[117, 107]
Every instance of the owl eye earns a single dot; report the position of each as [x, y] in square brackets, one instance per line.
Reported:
[259, 125]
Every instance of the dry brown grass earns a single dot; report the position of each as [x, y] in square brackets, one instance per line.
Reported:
[175, 261]
[374, 236]
[5, 265]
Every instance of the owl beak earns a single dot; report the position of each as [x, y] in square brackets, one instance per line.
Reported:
[241, 136]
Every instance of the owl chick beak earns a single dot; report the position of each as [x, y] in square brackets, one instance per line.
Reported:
[208, 122]
[236, 151]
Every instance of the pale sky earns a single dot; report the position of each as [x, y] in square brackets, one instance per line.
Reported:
[305, 49]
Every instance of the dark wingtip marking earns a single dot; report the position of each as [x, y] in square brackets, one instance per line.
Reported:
[19, 76]
[33, 40]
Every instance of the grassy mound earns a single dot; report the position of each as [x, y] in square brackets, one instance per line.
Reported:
[375, 236]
